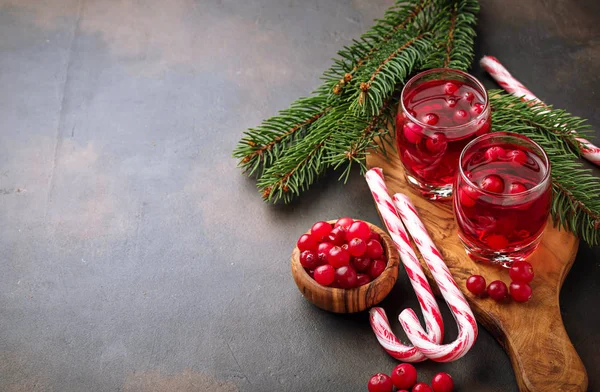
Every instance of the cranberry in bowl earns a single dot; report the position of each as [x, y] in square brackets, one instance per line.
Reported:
[345, 265]
[441, 110]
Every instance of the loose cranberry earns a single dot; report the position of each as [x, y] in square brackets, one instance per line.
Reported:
[323, 251]
[517, 156]
[469, 96]
[497, 290]
[404, 376]
[461, 116]
[451, 102]
[380, 383]
[477, 108]
[422, 387]
[521, 272]
[344, 222]
[516, 187]
[442, 382]
[431, 119]
[374, 249]
[309, 259]
[376, 268]
[324, 274]
[307, 242]
[412, 132]
[497, 241]
[450, 88]
[476, 284]
[337, 236]
[338, 257]
[361, 264]
[362, 279]
[357, 247]
[520, 292]
[494, 153]
[375, 236]
[358, 229]
[493, 183]
[346, 277]
[465, 194]
[436, 143]
[320, 231]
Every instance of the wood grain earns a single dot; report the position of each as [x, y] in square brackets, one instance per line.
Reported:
[352, 300]
[532, 333]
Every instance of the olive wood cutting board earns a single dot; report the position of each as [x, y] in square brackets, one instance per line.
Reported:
[532, 333]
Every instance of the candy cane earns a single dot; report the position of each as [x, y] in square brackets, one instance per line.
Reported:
[513, 86]
[429, 307]
[467, 326]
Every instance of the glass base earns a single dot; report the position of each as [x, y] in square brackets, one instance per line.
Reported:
[430, 192]
[504, 259]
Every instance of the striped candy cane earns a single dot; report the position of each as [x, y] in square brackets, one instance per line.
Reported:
[429, 307]
[467, 326]
[513, 86]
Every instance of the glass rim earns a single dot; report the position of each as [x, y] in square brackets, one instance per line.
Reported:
[471, 78]
[538, 186]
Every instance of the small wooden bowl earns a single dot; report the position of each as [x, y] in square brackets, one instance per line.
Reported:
[349, 300]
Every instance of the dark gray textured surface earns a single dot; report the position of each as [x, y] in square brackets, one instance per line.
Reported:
[134, 256]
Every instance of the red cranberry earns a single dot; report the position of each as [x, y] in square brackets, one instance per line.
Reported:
[307, 242]
[431, 119]
[442, 382]
[412, 132]
[362, 279]
[380, 383]
[497, 290]
[476, 284]
[497, 242]
[461, 116]
[324, 274]
[436, 143]
[450, 88]
[494, 153]
[493, 183]
[469, 96]
[467, 196]
[323, 251]
[376, 268]
[337, 236]
[309, 259]
[361, 264]
[521, 271]
[375, 236]
[477, 108]
[374, 249]
[520, 292]
[516, 187]
[422, 387]
[357, 247]
[517, 156]
[358, 229]
[451, 102]
[404, 376]
[338, 257]
[344, 222]
[320, 230]
[346, 277]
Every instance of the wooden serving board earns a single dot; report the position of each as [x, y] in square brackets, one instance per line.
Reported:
[532, 333]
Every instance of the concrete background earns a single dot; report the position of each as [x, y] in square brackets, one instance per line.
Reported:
[134, 256]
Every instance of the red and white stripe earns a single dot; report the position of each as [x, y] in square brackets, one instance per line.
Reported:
[467, 326]
[513, 86]
[429, 307]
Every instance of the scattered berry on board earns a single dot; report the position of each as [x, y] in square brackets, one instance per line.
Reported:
[497, 290]
[520, 292]
[521, 272]
[442, 382]
[404, 376]
[422, 387]
[380, 383]
[476, 284]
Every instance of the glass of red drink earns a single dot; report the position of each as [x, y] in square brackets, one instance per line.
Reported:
[441, 110]
[502, 199]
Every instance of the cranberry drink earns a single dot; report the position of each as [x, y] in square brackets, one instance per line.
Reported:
[503, 197]
[440, 112]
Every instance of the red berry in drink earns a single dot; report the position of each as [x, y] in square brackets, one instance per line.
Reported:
[404, 376]
[307, 242]
[324, 274]
[422, 387]
[521, 272]
[346, 277]
[412, 132]
[338, 257]
[431, 119]
[460, 116]
[358, 229]
[361, 264]
[309, 259]
[320, 231]
[337, 236]
[516, 187]
[380, 383]
[451, 102]
[374, 249]
[517, 156]
[450, 88]
[442, 382]
[357, 247]
[466, 198]
[323, 251]
[494, 153]
[478, 108]
[492, 183]
[520, 292]
[375, 236]
[497, 241]
[497, 290]
[376, 268]
[436, 143]
[344, 222]
[476, 284]
[469, 96]
[362, 279]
